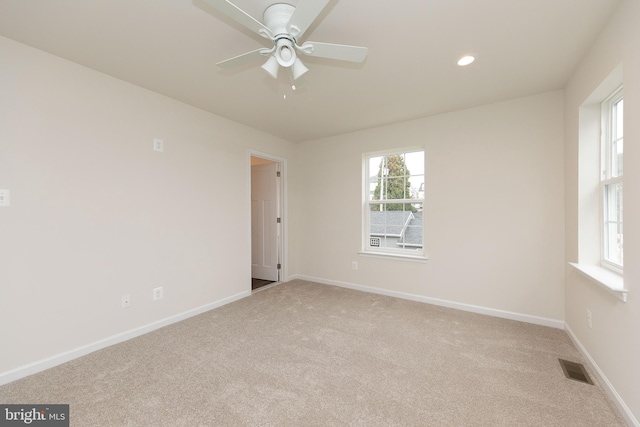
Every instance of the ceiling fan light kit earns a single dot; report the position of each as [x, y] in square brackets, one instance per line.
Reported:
[298, 69]
[271, 66]
[285, 52]
[284, 24]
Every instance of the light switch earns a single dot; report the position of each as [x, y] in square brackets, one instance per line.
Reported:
[158, 145]
[5, 198]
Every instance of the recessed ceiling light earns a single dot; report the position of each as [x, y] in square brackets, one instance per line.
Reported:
[466, 60]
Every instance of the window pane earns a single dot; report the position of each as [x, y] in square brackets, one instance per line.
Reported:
[375, 177]
[613, 223]
[415, 162]
[412, 237]
[401, 228]
[391, 179]
[618, 116]
[396, 188]
[415, 167]
[385, 226]
[395, 165]
[416, 187]
[617, 146]
[616, 158]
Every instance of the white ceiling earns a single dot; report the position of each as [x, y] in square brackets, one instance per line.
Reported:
[171, 47]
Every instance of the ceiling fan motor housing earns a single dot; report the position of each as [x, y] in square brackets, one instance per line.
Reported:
[276, 18]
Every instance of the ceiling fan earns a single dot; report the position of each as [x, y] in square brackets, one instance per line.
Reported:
[284, 25]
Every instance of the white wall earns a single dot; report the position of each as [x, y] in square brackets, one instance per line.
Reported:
[96, 213]
[494, 211]
[614, 341]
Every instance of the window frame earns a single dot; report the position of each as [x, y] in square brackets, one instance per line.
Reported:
[609, 179]
[409, 252]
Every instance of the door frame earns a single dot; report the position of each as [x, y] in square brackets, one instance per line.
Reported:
[283, 253]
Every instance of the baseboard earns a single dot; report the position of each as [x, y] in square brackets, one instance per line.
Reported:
[606, 384]
[41, 365]
[553, 323]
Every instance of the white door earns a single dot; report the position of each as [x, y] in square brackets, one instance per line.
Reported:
[264, 226]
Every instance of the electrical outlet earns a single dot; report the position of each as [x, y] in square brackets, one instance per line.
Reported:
[5, 198]
[158, 145]
[157, 293]
[126, 301]
[354, 265]
[589, 318]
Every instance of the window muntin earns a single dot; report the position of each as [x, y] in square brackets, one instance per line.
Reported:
[611, 181]
[394, 203]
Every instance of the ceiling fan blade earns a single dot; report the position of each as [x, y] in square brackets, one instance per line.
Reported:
[306, 12]
[244, 58]
[335, 51]
[240, 16]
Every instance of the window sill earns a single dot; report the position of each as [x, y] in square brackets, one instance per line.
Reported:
[400, 257]
[607, 279]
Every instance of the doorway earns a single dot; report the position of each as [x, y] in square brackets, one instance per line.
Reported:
[266, 221]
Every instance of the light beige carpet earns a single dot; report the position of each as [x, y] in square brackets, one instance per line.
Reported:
[305, 354]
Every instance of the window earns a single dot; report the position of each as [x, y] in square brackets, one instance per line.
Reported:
[611, 180]
[600, 167]
[394, 198]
